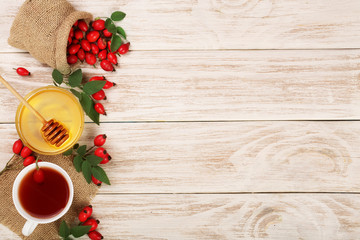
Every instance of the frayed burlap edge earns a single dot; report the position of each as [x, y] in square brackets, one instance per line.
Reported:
[9, 217]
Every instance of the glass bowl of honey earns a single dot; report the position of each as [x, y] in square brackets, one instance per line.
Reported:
[51, 102]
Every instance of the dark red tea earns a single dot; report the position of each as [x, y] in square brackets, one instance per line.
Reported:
[47, 199]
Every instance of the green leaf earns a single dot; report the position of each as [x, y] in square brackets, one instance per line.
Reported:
[118, 16]
[57, 76]
[86, 170]
[100, 174]
[115, 42]
[93, 86]
[93, 115]
[110, 26]
[76, 93]
[78, 163]
[86, 103]
[81, 150]
[55, 84]
[93, 160]
[68, 238]
[121, 31]
[64, 230]
[68, 152]
[79, 231]
[75, 78]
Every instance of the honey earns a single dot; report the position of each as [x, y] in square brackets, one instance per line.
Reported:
[50, 102]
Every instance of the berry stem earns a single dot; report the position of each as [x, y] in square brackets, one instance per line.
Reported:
[7, 166]
[36, 162]
[89, 150]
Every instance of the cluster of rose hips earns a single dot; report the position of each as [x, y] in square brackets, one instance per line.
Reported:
[87, 43]
[86, 220]
[100, 95]
[99, 141]
[25, 152]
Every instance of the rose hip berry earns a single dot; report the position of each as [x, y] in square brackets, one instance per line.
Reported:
[102, 54]
[81, 54]
[100, 95]
[22, 71]
[92, 36]
[106, 159]
[25, 152]
[71, 59]
[124, 48]
[101, 43]
[100, 108]
[85, 45]
[17, 146]
[106, 65]
[83, 26]
[76, 23]
[95, 235]
[98, 25]
[100, 152]
[90, 58]
[97, 78]
[28, 160]
[73, 48]
[112, 58]
[91, 222]
[109, 84]
[85, 213]
[94, 49]
[107, 33]
[38, 175]
[100, 140]
[78, 34]
[95, 181]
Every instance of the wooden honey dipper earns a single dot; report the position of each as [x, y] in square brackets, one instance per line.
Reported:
[52, 131]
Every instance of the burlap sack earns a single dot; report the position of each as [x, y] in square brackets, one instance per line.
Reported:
[9, 217]
[42, 28]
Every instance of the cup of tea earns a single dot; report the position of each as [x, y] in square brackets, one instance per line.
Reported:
[44, 202]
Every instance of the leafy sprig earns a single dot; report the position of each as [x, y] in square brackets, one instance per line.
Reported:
[82, 91]
[77, 231]
[87, 163]
[118, 33]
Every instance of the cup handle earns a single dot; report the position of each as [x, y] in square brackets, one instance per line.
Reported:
[29, 227]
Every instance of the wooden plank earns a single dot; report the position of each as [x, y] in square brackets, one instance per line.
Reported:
[213, 85]
[170, 25]
[267, 216]
[225, 157]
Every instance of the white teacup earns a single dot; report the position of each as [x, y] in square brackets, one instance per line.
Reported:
[32, 222]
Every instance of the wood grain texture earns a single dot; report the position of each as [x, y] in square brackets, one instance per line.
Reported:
[223, 24]
[212, 85]
[226, 157]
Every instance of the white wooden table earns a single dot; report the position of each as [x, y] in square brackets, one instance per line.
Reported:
[231, 119]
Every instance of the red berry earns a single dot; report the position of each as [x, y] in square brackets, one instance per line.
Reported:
[69, 40]
[94, 49]
[22, 71]
[124, 48]
[39, 175]
[99, 108]
[100, 140]
[28, 160]
[100, 152]
[71, 34]
[109, 45]
[76, 23]
[90, 58]
[102, 54]
[107, 33]
[75, 41]
[92, 36]
[73, 48]
[17, 146]
[71, 59]
[97, 78]
[108, 84]
[106, 65]
[101, 43]
[25, 152]
[95, 181]
[83, 26]
[85, 45]
[85, 213]
[95, 235]
[79, 34]
[91, 222]
[112, 58]
[100, 95]
[106, 159]
[98, 25]
[81, 54]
